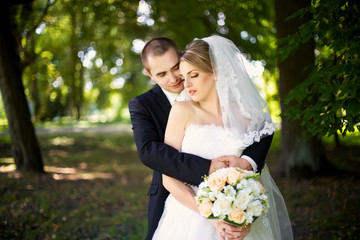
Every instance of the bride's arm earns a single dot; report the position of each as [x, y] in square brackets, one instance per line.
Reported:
[179, 117]
[183, 193]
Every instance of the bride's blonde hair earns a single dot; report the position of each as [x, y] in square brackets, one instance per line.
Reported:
[196, 53]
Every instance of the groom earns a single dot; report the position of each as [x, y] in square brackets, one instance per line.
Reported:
[149, 114]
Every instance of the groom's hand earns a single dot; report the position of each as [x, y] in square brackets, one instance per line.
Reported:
[218, 163]
[234, 161]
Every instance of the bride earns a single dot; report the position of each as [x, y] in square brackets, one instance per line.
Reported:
[225, 116]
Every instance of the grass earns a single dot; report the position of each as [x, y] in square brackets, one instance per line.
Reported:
[96, 188]
[325, 207]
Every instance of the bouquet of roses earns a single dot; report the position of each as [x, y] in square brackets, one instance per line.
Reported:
[233, 195]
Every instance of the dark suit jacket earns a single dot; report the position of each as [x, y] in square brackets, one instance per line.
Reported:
[149, 114]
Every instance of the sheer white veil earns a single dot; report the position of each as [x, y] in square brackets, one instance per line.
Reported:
[246, 115]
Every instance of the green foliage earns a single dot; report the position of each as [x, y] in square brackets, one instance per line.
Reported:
[249, 24]
[77, 55]
[329, 99]
[72, 51]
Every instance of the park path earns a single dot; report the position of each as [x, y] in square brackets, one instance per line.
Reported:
[74, 129]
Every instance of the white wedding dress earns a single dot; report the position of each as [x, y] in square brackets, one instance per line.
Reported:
[179, 222]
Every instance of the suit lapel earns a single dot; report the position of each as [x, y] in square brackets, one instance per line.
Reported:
[162, 100]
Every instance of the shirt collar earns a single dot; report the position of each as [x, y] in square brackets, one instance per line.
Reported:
[170, 96]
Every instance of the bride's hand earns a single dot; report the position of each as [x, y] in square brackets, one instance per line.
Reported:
[230, 232]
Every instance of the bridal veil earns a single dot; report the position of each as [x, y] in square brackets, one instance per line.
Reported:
[246, 115]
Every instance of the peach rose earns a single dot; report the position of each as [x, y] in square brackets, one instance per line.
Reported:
[217, 181]
[237, 215]
[205, 209]
[233, 176]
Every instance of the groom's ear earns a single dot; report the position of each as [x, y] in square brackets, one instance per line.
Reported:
[148, 73]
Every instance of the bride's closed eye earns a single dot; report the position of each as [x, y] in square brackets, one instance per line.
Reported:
[194, 75]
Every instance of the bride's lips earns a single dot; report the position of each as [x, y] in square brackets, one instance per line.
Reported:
[192, 92]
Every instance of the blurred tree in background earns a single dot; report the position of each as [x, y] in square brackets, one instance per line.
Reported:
[80, 50]
[319, 47]
[25, 148]
[333, 86]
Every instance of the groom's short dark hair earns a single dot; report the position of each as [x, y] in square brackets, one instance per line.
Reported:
[157, 47]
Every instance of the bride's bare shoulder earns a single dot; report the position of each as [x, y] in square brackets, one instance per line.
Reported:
[183, 107]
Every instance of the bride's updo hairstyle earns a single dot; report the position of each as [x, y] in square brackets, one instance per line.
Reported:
[196, 53]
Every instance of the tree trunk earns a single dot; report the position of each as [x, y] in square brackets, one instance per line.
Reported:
[26, 150]
[34, 92]
[77, 68]
[298, 156]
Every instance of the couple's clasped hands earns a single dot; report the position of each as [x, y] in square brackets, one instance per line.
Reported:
[225, 230]
[229, 161]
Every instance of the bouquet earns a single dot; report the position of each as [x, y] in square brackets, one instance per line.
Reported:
[233, 195]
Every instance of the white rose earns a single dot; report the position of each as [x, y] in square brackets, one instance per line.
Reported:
[262, 189]
[203, 192]
[204, 184]
[221, 207]
[255, 188]
[200, 199]
[256, 208]
[229, 191]
[242, 199]
[263, 197]
[242, 184]
[212, 196]
[219, 195]
[249, 216]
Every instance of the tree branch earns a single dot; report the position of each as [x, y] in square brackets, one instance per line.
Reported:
[32, 30]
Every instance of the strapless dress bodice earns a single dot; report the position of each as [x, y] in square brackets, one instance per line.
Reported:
[209, 141]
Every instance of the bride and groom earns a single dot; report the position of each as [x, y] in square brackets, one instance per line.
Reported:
[227, 123]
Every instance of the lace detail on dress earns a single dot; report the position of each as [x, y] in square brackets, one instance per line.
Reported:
[255, 136]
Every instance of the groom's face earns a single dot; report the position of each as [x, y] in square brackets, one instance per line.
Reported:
[164, 70]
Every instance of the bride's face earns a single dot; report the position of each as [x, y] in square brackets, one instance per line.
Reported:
[200, 85]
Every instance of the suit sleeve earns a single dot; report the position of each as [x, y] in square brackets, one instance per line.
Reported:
[258, 151]
[157, 155]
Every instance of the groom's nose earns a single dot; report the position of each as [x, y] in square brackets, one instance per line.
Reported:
[174, 77]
